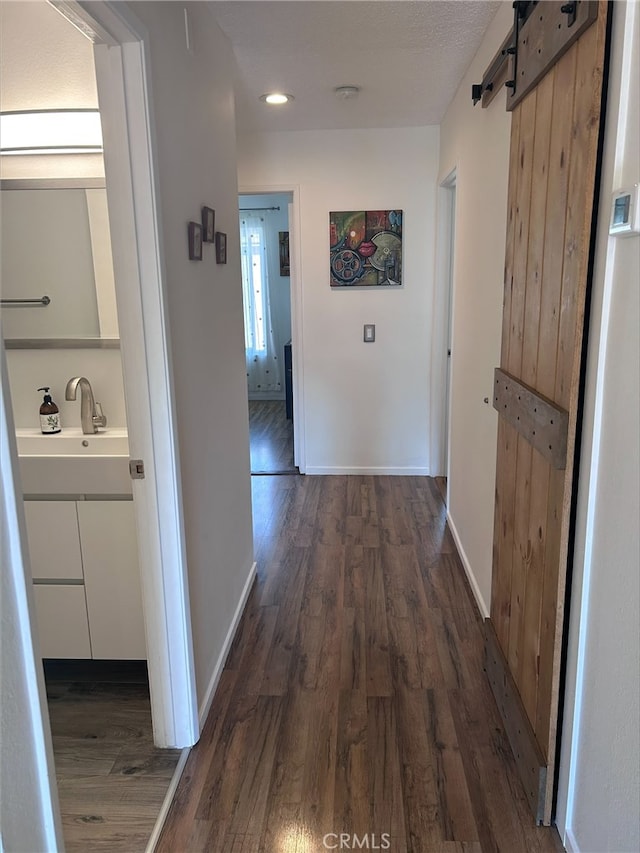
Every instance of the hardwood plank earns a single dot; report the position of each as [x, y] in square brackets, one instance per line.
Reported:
[84, 757]
[292, 572]
[513, 361]
[252, 794]
[425, 822]
[352, 797]
[535, 244]
[521, 550]
[450, 651]
[330, 530]
[317, 644]
[387, 807]
[378, 663]
[455, 804]
[512, 205]
[552, 610]
[226, 768]
[529, 642]
[559, 161]
[502, 559]
[305, 534]
[319, 774]
[370, 528]
[582, 166]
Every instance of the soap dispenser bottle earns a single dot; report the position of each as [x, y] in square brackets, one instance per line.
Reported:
[49, 415]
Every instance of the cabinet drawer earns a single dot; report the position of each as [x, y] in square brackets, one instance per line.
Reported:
[112, 578]
[63, 627]
[54, 542]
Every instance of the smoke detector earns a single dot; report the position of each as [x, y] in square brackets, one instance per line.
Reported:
[346, 93]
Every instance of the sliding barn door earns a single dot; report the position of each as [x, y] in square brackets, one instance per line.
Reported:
[554, 151]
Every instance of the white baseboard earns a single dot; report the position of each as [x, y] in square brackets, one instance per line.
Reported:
[168, 799]
[217, 670]
[570, 843]
[374, 471]
[484, 610]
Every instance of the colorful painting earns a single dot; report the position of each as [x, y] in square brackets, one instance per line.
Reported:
[366, 248]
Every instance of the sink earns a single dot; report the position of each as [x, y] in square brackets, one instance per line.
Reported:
[72, 463]
[72, 442]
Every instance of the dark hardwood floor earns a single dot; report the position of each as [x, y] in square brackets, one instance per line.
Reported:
[112, 780]
[271, 437]
[354, 699]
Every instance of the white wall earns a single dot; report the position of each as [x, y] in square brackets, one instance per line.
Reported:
[192, 105]
[31, 369]
[475, 142]
[599, 795]
[279, 286]
[366, 405]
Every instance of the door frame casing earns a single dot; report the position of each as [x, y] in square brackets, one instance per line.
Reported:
[297, 298]
[442, 336]
[121, 57]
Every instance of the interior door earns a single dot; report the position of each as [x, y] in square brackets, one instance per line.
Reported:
[552, 180]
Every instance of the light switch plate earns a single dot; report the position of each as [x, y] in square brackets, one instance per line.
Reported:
[369, 333]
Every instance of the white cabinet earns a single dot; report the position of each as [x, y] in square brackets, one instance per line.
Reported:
[54, 546]
[84, 559]
[61, 611]
[112, 579]
[56, 567]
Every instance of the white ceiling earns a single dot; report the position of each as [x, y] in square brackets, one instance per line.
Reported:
[407, 57]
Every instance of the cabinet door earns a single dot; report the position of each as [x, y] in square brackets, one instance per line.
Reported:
[61, 615]
[54, 545]
[112, 579]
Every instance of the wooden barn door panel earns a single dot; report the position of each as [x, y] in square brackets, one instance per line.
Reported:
[553, 160]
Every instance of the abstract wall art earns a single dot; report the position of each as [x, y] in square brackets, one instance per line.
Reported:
[366, 248]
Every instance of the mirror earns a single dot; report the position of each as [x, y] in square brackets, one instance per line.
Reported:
[56, 243]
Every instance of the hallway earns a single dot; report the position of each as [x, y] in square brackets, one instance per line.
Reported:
[354, 699]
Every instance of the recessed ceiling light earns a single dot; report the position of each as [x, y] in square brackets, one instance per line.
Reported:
[276, 98]
[346, 93]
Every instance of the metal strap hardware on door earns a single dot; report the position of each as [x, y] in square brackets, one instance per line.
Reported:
[547, 33]
[543, 424]
[541, 34]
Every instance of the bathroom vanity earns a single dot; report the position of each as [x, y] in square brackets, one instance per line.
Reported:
[82, 543]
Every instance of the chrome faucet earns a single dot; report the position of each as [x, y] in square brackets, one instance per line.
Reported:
[91, 415]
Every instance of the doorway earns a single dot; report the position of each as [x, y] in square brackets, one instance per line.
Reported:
[166, 618]
[119, 54]
[266, 272]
